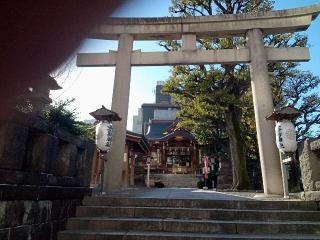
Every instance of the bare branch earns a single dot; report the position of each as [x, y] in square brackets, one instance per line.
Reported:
[219, 5]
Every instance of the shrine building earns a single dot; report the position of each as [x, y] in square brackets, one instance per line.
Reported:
[173, 150]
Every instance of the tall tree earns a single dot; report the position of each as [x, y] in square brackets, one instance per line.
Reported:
[216, 100]
[300, 89]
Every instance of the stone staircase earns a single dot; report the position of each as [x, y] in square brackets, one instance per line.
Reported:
[102, 218]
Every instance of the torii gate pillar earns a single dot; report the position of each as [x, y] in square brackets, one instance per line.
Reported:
[120, 101]
[263, 106]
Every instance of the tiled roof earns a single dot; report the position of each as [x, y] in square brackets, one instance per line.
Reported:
[139, 139]
[181, 133]
[156, 129]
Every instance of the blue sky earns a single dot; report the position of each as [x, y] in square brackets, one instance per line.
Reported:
[92, 87]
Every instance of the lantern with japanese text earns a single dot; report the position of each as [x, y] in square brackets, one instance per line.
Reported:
[286, 136]
[285, 129]
[104, 128]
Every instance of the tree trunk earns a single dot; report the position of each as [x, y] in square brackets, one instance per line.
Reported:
[237, 149]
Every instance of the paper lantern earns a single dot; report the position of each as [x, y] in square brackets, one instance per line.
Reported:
[104, 136]
[286, 136]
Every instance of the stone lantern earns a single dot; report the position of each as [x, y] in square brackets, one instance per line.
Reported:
[285, 139]
[38, 96]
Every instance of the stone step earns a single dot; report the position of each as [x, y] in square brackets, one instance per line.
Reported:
[197, 213]
[157, 218]
[198, 226]
[144, 235]
[201, 203]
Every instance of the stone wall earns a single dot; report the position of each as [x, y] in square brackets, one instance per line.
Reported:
[189, 180]
[44, 174]
[309, 158]
[175, 180]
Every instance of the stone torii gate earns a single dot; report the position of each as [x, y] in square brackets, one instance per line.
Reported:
[253, 26]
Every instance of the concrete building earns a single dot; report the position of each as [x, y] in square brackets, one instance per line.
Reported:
[162, 109]
[157, 111]
[137, 122]
[161, 98]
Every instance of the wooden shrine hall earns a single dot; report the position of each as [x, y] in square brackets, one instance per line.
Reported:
[173, 150]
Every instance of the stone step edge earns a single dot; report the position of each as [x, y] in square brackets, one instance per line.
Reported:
[234, 204]
[188, 235]
[119, 198]
[207, 221]
[203, 209]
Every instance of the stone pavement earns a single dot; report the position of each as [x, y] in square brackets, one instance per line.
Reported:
[190, 193]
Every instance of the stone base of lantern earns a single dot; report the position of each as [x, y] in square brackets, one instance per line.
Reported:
[310, 195]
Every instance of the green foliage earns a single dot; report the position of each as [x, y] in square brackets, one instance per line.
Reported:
[159, 184]
[61, 117]
[211, 7]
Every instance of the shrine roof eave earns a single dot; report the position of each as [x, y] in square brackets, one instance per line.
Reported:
[272, 22]
[156, 129]
[138, 139]
[170, 136]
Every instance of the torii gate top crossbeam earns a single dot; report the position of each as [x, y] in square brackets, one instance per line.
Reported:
[272, 22]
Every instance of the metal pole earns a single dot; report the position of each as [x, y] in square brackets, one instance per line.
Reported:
[148, 175]
[101, 183]
[284, 178]
[103, 158]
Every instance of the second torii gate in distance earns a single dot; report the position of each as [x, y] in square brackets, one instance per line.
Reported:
[253, 26]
